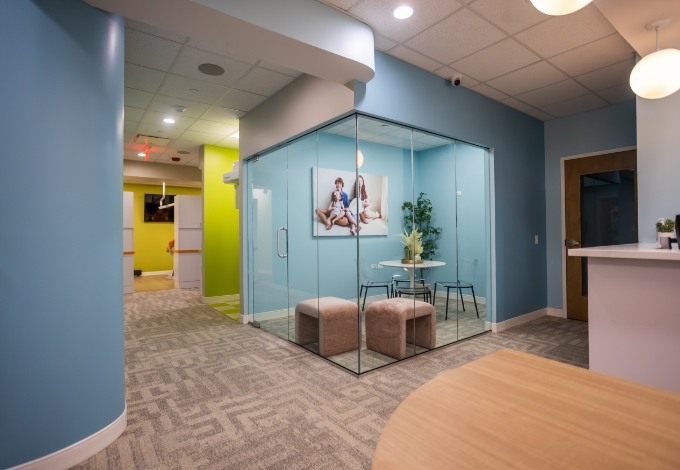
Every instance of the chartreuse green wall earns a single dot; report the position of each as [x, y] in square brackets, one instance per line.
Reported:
[151, 238]
[220, 224]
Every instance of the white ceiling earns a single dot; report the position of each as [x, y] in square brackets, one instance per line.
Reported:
[547, 67]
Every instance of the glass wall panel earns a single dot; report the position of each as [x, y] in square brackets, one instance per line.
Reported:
[335, 228]
[332, 219]
[266, 205]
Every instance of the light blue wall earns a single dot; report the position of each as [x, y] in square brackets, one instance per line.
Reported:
[406, 94]
[61, 292]
[596, 131]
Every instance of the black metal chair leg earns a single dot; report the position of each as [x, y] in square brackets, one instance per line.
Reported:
[460, 293]
[474, 299]
[434, 296]
[446, 315]
[363, 289]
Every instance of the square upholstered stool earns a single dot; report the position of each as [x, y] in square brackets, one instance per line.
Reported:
[330, 321]
[391, 323]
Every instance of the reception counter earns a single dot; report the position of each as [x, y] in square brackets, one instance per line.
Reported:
[634, 313]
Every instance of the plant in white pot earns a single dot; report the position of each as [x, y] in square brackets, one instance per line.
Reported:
[665, 229]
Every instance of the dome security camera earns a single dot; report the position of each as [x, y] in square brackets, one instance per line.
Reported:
[456, 80]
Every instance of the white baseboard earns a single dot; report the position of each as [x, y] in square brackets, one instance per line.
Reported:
[527, 317]
[221, 298]
[157, 273]
[82, 450]
[556, 312]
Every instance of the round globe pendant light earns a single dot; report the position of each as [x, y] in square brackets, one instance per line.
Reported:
[657, 75]
[559, 7]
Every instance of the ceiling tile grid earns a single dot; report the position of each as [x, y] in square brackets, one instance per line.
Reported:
[506, 50]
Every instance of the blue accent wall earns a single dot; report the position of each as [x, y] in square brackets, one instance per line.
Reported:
[406, 94]
[61, 280]
[596, 131]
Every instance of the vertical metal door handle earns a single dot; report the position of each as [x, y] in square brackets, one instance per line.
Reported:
[278, 242]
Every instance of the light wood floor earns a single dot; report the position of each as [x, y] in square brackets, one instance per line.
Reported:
[149, 283]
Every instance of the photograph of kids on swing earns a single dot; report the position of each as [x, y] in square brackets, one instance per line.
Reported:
[346, 204]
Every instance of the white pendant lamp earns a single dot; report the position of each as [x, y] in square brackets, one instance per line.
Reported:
[559, 7]
[657, 75]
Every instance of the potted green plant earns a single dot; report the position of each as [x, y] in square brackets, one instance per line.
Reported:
[419, 216]
[665, 229]
[665, 225]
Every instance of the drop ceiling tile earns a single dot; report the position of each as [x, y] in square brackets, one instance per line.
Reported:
[263, 81]
[617, 94]
[132, 114]
[143, 78]
[562, 33]
[382, 43]
[538, 114]
[378, 15]
[559, 91]
[575, 105]
[190, 58]
[496, 60]
[607, 77]
[161, 33]
[167, 104]
[192, 90]
[129, 130]
[193, 137]
[225, 115]
[154, 130]
[240, 100]
[150, 51]
[229, 142]
[155, 118]
[233, 51]
[212, 127]
[457, 36]
[529, 78]
[415, 58]
[511, 16]
[489, 92]
[517, 104]
[137, 98]
[341, 4]
[595, 55]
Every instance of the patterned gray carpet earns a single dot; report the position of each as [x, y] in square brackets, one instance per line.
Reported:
[205, 392]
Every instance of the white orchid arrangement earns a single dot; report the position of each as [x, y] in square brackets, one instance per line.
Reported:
[413, 241]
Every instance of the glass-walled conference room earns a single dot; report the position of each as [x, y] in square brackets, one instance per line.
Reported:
[368, 242]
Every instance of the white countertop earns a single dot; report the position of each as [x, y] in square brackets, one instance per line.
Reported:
[632, 251]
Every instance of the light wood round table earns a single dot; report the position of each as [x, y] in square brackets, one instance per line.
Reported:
[515, 410]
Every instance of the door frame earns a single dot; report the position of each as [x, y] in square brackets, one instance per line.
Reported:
[563, 223]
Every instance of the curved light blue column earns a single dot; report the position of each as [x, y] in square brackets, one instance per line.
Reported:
[61, 282]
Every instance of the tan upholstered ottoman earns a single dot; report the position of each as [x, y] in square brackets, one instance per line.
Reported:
[391, 323]
[330, 321]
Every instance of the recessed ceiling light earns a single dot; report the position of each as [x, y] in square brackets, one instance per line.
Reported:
[211, 69]
[183, 152]
[141, 154]
[403, 12]
[169, 120]
[175, 159]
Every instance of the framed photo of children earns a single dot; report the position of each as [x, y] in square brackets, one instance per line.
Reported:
[346, 204]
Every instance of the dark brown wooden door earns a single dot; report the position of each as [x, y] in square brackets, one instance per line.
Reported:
[600, 196]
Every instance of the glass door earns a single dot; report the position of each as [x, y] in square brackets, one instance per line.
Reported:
[268, 241]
